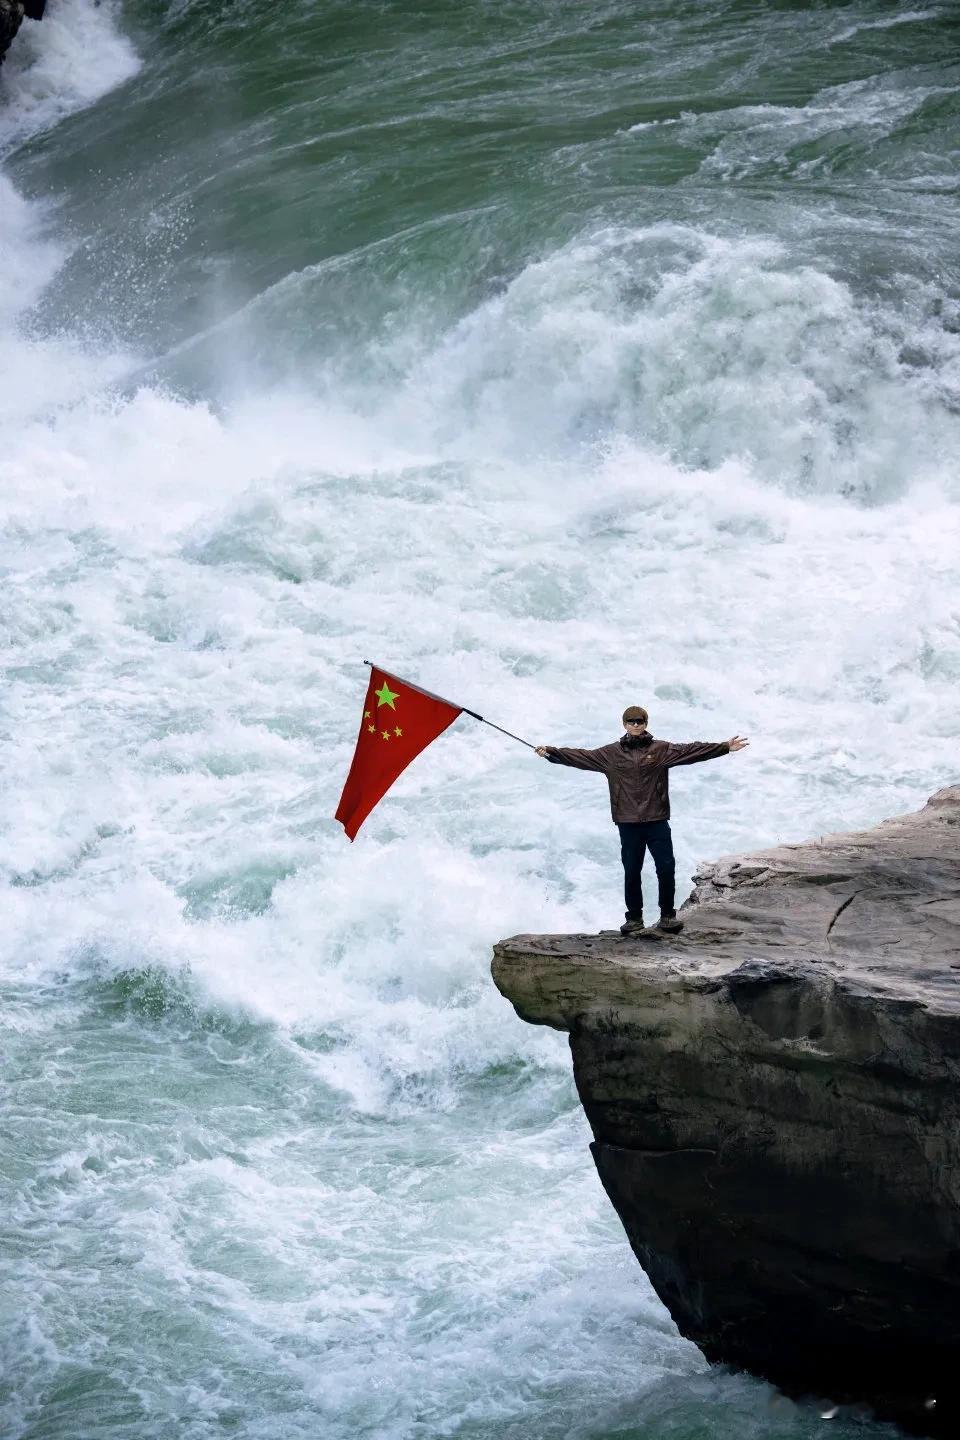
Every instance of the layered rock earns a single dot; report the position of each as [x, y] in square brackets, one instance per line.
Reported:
[775, 1103]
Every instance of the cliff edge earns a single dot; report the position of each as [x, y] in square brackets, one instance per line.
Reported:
[775, 1103]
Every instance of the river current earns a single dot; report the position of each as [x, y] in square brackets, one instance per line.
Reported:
[558, 355]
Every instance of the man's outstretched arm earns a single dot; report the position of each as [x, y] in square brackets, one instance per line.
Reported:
[697, 750]
[577, 759]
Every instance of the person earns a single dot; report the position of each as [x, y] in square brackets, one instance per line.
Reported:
[637, 769]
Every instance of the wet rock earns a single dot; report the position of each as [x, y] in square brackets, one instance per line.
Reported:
[11, 16]
[12, 13]
[775, 1103]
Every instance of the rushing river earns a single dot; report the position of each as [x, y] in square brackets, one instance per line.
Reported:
[557, 354]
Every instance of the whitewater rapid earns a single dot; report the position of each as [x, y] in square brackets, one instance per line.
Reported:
[282, 1158]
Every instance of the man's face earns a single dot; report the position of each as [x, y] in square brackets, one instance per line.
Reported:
[635, 727]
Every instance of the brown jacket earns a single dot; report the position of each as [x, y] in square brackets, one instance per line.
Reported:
[636, 771]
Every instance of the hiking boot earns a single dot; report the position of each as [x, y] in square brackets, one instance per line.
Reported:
[669, 924]
[632, 927]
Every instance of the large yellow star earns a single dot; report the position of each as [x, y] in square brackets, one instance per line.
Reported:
[386, 696]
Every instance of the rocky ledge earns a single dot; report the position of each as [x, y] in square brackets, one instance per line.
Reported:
[776, 1110]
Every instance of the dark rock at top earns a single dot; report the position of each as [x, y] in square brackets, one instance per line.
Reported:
[775, 1103]
[11, 16]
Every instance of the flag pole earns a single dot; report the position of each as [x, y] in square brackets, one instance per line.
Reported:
[461, 708]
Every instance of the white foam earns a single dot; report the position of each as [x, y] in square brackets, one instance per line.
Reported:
[883, 22]
[748, 141]
[61, 64]
[706, 348]
[57, 66]
[28, 256]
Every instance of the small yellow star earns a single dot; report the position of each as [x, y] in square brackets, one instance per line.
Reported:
[386, 734]
[397, 730]
[366, 714]
[372, 729]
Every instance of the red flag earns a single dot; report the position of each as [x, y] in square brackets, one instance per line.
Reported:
[398, 722]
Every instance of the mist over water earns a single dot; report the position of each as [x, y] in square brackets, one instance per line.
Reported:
[557, 357]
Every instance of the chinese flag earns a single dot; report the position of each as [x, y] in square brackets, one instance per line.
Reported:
[398, 722]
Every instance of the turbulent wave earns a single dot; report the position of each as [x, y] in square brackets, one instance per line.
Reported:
[707, 350]
[694, 347]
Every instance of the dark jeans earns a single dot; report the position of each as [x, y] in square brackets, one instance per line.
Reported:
[635, 841]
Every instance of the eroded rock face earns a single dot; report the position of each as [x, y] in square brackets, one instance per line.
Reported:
[776, 1109]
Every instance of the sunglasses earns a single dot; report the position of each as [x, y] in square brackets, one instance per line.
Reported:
[635, 722]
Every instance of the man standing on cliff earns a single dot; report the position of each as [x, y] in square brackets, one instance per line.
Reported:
[636, 768]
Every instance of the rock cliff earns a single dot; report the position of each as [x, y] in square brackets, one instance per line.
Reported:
[776, 1110]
